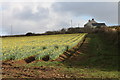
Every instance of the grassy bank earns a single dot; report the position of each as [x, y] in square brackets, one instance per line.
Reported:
[102, 54]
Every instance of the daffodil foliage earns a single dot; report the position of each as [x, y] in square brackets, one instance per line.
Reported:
[17, 48]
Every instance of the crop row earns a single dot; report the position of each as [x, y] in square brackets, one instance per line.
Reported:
[17, 48]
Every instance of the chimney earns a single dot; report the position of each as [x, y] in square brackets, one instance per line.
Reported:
[92, 19]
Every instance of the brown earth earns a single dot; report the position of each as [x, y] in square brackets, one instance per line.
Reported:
[11, 71]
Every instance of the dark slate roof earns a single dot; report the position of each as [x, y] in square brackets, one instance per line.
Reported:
[98, 24]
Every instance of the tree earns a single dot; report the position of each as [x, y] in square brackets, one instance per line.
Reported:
[29, 34]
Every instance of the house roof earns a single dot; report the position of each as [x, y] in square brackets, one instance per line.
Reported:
[98, 24]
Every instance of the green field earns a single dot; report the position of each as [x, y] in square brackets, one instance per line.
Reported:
[18, 48]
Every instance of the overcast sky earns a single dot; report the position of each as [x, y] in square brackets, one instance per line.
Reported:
[39, 17]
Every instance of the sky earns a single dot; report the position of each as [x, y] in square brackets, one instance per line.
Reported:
[39, 17]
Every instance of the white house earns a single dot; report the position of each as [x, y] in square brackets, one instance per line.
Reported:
[93, 24]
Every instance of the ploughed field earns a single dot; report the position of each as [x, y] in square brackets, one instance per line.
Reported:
[18, 48]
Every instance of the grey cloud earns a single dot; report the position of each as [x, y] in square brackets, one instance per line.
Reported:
[104, 11]
[27, 14]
